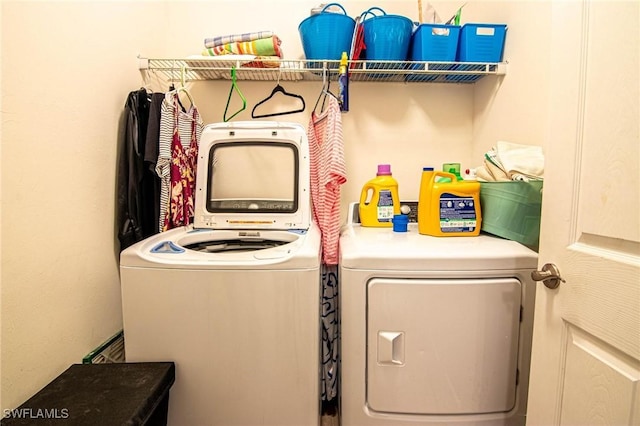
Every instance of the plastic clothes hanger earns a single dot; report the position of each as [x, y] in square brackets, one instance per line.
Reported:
[147, 90]
[173, 88]
[326, 91]
[183, 89]
[234, 87]
[186, 92]
[278, 89]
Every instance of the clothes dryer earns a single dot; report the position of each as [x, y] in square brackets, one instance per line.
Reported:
[234, 299]
[435, 330]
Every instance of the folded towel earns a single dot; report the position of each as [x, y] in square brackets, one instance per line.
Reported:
[522, 161]
[492, 156]
[508, 161]
[263, 62]
[269, 46]
[496, 173]
[232, 38]
[483, 174]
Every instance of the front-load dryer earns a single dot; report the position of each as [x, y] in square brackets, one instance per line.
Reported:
[234, 300]
[435, 330]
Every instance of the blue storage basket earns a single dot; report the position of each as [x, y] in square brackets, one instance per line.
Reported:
[435, 42]
[386, 37]
[327, 34]
[481, 43]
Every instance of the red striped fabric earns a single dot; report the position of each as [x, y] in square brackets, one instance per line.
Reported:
[328, 173]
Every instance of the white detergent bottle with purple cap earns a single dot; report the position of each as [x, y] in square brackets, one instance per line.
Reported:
[379, 200]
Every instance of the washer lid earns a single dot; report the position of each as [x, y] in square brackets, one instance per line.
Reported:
[253, 175]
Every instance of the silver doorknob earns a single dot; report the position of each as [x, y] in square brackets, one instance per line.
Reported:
[549, 275]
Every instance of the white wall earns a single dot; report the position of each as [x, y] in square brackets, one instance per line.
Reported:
[67, 68]
[514, 108]
[1, 260]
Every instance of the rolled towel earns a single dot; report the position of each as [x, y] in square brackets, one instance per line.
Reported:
[269, 46]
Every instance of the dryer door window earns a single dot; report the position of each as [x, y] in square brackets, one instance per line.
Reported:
[442, 346]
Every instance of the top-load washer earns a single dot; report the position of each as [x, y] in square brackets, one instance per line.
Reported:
[234, 299]
[435, 330]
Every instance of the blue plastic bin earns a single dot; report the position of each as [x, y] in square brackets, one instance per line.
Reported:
[327, 34]
[481, 43]
[386, 37]
[435, 42]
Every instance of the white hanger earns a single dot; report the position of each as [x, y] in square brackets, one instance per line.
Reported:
[182, 88]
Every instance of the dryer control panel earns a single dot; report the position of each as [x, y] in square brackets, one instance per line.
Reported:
[354, 211]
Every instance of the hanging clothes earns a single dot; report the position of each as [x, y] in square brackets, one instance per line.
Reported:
[329, 333]
[151, 194]
[180, 133]
[328, 173]
[131, 169]
[138, 184]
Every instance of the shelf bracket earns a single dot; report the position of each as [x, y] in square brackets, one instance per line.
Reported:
[502, 68]
[143, 63]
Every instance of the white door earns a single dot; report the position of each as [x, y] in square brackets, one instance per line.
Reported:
[586, 346]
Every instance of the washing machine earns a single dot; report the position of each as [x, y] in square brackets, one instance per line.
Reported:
[434, 330]
[234, 299]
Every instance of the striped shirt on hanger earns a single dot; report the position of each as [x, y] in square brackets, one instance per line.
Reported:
[328, 173]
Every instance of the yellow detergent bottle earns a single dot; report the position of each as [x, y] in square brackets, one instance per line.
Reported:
[448, 209]
[379, 199]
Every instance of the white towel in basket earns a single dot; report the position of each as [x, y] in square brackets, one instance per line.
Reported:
[520, 161]
[510, 161]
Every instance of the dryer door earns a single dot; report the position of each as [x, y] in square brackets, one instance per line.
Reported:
[442, 346]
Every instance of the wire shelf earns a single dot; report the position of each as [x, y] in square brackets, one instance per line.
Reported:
[266, 69]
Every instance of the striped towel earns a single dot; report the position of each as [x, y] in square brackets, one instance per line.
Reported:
[233, 38]
[269, 46]
[263, 62]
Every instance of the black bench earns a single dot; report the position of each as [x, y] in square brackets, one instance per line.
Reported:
[100, 395]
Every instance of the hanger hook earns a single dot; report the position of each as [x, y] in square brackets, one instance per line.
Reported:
[173, 68]
[182, 73]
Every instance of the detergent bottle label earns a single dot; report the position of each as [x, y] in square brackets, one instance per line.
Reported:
[385, 206]
[457, 214]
